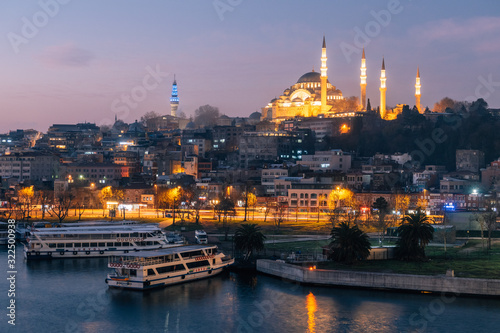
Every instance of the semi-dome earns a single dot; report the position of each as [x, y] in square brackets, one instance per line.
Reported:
[255, 115]
[310, 77]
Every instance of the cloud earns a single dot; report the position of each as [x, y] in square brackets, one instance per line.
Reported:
[67, 55]
[477, 31]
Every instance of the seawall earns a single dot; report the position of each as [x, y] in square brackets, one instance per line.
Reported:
[402, 282]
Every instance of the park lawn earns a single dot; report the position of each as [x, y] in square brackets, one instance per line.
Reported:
[465, 264]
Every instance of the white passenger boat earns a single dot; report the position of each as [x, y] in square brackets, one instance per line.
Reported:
[23, 228]
[93, 241]
[159, 268]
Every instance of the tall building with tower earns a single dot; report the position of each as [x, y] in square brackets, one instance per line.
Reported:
[417, 91]
[174, 99]
[383, 90]
[362, 97]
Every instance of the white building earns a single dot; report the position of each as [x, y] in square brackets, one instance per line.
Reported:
[326, 161]
[269, 175]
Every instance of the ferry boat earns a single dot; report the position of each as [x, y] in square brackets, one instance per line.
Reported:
[93, 241]
[23, 228]
[160, 268]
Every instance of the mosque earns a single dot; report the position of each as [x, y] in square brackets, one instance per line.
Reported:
[314, 96]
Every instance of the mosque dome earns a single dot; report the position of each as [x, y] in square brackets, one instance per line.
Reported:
[310, 77]
[255, 115]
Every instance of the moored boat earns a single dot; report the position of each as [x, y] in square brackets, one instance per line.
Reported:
[160, 268]
[93, 241]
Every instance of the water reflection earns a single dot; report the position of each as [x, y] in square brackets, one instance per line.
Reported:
[311, 309]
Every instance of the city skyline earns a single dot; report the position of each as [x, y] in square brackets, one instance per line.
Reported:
[235, 55]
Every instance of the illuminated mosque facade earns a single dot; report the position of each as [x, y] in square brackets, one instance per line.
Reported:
[314, 96]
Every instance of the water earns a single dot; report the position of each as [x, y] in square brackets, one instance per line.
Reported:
[71, 296]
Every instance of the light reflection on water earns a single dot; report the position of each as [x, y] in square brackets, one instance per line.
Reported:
[311, 309]
[71, 296]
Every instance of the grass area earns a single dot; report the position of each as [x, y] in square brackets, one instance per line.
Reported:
[469, 261]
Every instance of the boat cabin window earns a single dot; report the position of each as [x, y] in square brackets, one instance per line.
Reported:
[196, 264]
[133, 272]
[192, 254]
[52, 245]
[124, 235]
[172, 268]
[107, 236]
[78, 244]
[60, 245]
[117, 244]
[134, 234]
[85, 244]
[151, 272]
[69, 244]
[109, 244]
[126, 244]
[93, 244]
[102, 244]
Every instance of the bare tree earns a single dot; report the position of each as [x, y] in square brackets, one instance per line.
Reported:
[61, 205]
[206, 115]
[44, 198]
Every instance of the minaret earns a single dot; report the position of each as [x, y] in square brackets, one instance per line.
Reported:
[324, 77]
[417, 91]
[174, 99]
[363, 82]
[383, 89]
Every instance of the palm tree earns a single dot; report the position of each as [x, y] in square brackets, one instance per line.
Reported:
[414, 233]
[349, 244]
[382, 207]
[249, 238]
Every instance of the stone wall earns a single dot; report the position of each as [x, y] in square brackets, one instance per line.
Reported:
[464, 286]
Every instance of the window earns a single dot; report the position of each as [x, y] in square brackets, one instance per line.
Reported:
[198, 264]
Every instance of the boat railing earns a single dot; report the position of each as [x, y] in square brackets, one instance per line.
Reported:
[140, 261]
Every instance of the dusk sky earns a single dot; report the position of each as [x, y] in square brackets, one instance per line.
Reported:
[233, 54]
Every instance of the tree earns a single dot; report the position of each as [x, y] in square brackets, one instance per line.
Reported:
[268, 206]
[170, 198]
[249, 238]
[349, 244]
[25, 201]
[108, 193]
[279, 214]
[347, 104]
[382, 207]
[61, 205]
[342, 206]
[206, 115]
[148, 116]
[225, 208]
[488, 222]
[44, 198]
[415, 232]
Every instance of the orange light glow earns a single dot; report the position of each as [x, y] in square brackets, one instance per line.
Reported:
[311, 309]
[344, 129]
